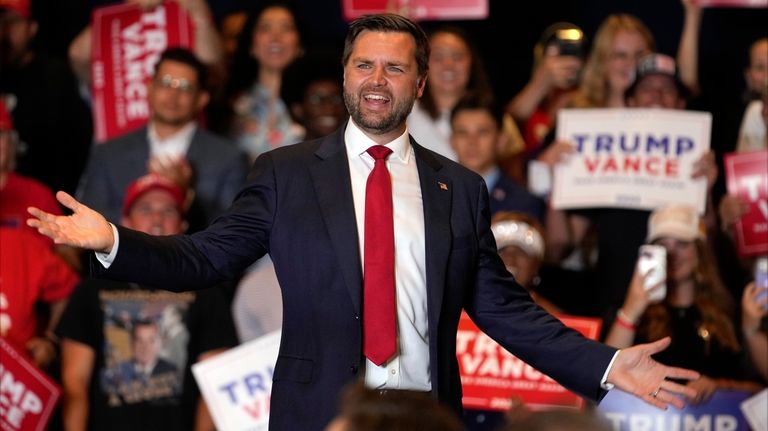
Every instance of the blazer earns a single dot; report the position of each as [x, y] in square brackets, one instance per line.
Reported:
[219, 170]
[507, 195]
[297, 206]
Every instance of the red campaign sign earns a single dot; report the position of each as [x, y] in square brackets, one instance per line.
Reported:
[127, 42]
[733, 3]
[747, 176]
[27, 396]
[418, 9]
[491, 377]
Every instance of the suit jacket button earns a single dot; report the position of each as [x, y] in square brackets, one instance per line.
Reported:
[353, 368]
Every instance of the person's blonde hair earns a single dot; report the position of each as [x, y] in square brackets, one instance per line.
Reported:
[593, 90]
[711, 299]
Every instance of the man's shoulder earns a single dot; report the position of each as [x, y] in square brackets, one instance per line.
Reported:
[127, 141]
[216, 146]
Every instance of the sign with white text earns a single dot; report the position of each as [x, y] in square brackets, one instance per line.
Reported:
[27, 396]
[747, 176]
[418, 10]
[491, 377]
[127, 42]
[631, 158]
[237, 384]
[733, 3]
[626, 412]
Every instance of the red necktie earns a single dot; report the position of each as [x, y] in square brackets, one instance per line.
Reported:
[379, 323]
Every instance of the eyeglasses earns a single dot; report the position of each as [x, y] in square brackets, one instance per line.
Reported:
[181, 84]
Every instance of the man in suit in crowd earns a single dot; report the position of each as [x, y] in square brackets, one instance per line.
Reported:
[314, 209]
[172, 144]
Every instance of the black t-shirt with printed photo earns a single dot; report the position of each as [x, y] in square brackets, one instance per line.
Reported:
[158, 393]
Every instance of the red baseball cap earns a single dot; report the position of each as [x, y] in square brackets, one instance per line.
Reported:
[19, 6]
[5, 117]
[152, 182]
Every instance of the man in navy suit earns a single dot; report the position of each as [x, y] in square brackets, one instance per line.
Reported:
[305, 206]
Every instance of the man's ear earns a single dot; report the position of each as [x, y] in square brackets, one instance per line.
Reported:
[32, 29]
[297, 110]
[202, 100]
[420, 83]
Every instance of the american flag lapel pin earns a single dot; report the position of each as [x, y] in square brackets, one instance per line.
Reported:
[443, 186]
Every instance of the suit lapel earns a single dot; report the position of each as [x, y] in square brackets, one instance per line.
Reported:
[436, 192]
[332, 185]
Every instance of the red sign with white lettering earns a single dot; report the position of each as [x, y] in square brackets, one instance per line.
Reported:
[127, 42]
[491, 377]
[418, 9]
[27, 396]
[733, 3]
[747, 177]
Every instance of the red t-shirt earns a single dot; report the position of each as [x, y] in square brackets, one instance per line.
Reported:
[18, 194]
[29, 272]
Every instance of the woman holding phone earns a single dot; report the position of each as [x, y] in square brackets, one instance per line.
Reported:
[696, 311]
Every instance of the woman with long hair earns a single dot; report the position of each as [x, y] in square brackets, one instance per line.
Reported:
[455, 68]
[269, 44]
[619, 43]
[696, 312]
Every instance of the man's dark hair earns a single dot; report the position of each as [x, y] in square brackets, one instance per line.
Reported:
[185, 56]
[390, 23]
[478, 102]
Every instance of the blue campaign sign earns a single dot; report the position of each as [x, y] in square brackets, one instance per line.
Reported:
[721, 413]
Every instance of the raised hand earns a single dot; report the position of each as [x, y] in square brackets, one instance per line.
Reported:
[85, 228]
[635, 372]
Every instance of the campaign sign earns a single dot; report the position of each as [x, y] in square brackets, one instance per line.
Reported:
[733, 3]
[127, 42]
[626, 412]
[631, 158]
[747, 176]
[418, 9]
[237, 384]
[491, 376]
[27, 396]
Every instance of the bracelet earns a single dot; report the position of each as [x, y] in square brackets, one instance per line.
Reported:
[624, 321]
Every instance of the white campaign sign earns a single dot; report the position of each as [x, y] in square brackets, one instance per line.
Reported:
[631, 158]
[237, 384]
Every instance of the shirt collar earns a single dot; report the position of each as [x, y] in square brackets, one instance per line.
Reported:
[184, 134]
[491, 178]
[358, 143]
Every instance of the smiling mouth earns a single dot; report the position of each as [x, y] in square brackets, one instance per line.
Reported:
[376, 98]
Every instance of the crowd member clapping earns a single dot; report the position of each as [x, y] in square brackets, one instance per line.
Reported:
[697, 311]
[172, 144]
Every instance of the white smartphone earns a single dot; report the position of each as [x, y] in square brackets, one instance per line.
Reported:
[653, 259]
[761, 276]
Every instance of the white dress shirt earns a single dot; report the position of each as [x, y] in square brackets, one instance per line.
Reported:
[174, 146]
[409, 368]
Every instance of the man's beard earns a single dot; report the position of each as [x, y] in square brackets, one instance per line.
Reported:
[379, 126]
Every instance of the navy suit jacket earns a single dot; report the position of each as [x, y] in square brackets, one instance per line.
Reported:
[297, 206]
[220, 170]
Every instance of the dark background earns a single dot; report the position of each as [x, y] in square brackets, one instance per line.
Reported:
[506, 38]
